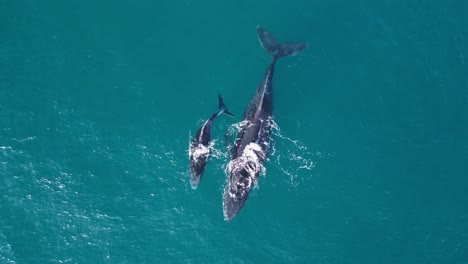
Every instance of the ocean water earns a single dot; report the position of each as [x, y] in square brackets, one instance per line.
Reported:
[98, 101]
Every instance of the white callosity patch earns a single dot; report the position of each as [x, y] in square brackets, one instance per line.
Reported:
[245, 169]
[254, 152]
[199, 151]
[291, 156]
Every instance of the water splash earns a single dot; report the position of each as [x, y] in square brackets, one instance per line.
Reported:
[291, 156]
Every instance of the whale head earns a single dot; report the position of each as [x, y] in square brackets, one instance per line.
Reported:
[241, 172]
[198, 156]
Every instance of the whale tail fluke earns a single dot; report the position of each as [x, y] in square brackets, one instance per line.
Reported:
[276, 49]
[222, 107]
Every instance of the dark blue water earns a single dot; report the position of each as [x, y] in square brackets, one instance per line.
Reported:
[98, 100]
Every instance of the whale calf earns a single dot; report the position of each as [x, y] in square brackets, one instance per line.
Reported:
[199, 148]
[250, 148]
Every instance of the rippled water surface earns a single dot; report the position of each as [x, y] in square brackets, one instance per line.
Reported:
[98, 102]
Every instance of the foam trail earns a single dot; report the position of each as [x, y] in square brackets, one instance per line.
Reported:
[292, 157]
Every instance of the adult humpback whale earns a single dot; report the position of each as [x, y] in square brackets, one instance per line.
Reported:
[251, 144]
[199, 148]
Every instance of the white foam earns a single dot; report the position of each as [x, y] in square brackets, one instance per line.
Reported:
[254, 152]
[251, 162]
[199, 151]
[295, 159]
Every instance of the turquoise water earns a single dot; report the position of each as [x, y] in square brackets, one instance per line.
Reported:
[97, 101]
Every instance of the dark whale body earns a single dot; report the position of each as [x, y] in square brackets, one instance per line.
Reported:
[199, 149]
[250, 147]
